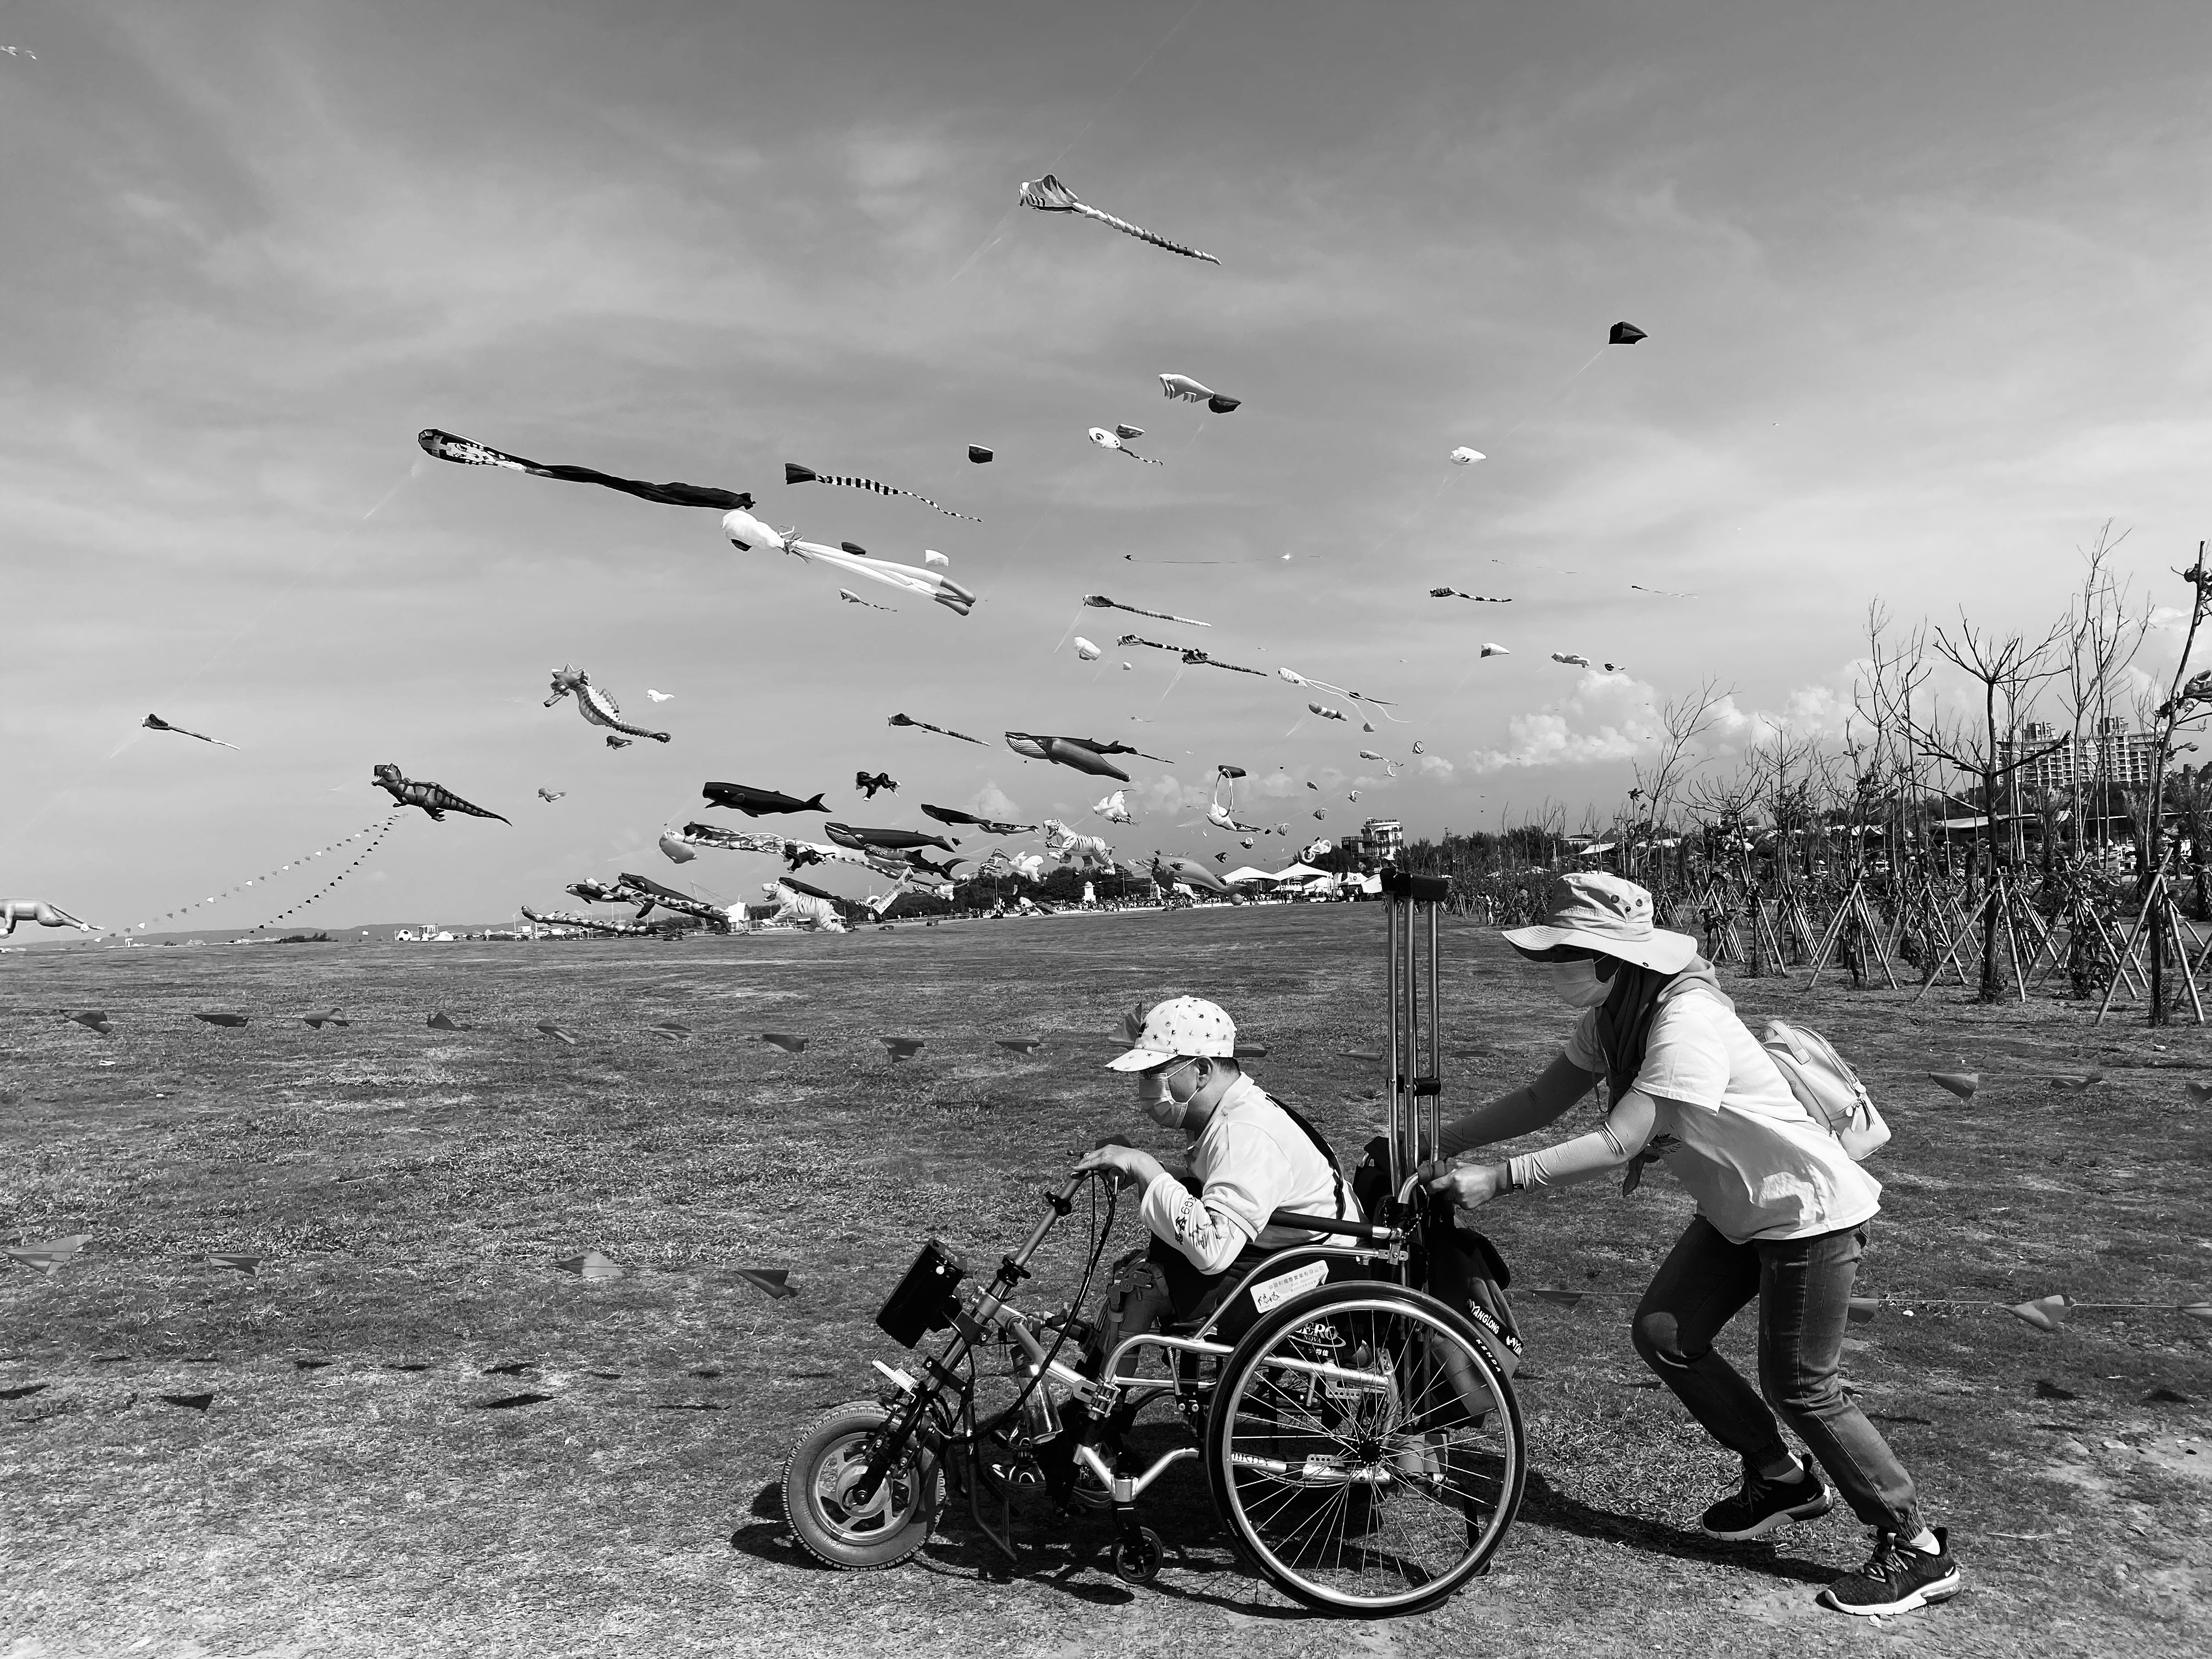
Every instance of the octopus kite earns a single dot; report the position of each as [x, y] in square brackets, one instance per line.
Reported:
[433, 798]
[747, 532]
[1048, 195]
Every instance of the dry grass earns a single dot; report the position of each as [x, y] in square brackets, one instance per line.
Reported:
[409, 1190]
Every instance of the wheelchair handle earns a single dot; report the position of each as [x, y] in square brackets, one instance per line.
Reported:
[1372, 1231]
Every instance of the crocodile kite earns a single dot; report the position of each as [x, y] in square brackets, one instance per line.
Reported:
[433, 799]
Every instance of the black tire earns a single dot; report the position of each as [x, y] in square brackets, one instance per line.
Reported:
[1359, 1499]
[827, 1461]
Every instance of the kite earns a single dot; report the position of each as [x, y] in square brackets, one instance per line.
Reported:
[851, 598]
[988, 826]
[1066, 752]
[674, 851]
[1465, 457]
[547, 1028]
[1298, 679]
[747, 532]
[942, 731]
[549, 796]
[1118, 440]
[591, 1264]
[595, 705]
[45, 1258]
[942, 871]
[901, 1048]
[1314, 850]
[1457, 594]
[594, 924]
[1572, 659]
[1310, 784]
[20, 52]
[1139, 639]
[804, 906]
[1048, 195]
[229, 1021]
[1086, 651]
[769, 1281]
[1182, 386]
[931, 556]
[1115, 809]
[1086, 852]
[1224, 817]
[1320, 811]
[1660, 592]
[30, 909]
[1354, 795]
[1625, 334]
[880, 780]
[1417, 747]
[1490, 650]
[156, 723]
[794, 853]
[1100, 602]
[753, 803]
[795, 474]
[433, 799]
[888, 841]
[316, 1022]
[1613, 667]
[1168, 871]
[440, 1020]
[464, 451]
[979, 454]
[237, 1262]
[1196, 659]
[1370, 754]
[614, 742]
[659, 697]
[1325, 711]
[95, 1019]
[1962, 1084]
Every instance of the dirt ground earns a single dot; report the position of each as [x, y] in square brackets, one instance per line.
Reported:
[423, 1438]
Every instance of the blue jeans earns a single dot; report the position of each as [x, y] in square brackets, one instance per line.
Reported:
[1803, 1287]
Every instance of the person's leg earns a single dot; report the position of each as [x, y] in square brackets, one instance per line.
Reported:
[1804, 1295]
[1700, 1287]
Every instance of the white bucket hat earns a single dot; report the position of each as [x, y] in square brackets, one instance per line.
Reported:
[1182, 1026]
[1594, 911]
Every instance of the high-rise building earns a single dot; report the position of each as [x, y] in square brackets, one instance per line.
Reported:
[1380, 841]
[2111, 752]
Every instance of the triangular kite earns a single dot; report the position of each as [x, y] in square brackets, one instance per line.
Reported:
[317, 1021]
[1962, 1084]
[1020, 1045]
[1861, 1310]
[94, 1019]
[229, 1021]
[237, 1262]
[443, 1021]
[2046, 1389]
[673, 1031]
[790, 1045]
[591, 1265]
[1625, 334]
[771, 1281]
[901, 1048]
[2046, 1313]
[198, 1402]
[1562, 1298]
[550, 1029]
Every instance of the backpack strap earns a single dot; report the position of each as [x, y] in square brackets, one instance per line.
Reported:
[1328, 1155]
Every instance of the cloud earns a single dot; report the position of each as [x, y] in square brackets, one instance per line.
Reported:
[1435, 766]
[993, 802]
[1606, 717]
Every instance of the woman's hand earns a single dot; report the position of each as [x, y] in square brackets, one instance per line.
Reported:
[1131, 1165]
[1470, 1186]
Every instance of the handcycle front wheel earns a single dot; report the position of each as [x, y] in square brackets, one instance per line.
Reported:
[1364, 1449]
[818, 1498]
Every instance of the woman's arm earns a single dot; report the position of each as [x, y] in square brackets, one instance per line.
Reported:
[1526, 1109]
[1627, 1130]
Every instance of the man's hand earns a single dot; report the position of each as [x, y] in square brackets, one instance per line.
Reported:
[1132, 1165]
[1470, 1186]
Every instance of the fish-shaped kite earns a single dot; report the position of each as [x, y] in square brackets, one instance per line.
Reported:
[747, 532]
[1066, 752]
[594, 703]
[592, 924]
[614, 742]
[988, 826]
[434, 798]
[673, 849]
[851, 598]
[794, 853]
[1659, 592]
[1168, 871]
[887, 840]
[752, 802]
[447, 447]
[870, 784]
[1118, 440]
[1182, 386]
[1100, 602]
[156, 723]
[941, 730]
[1459, 593]
[795, 474]
[1048, 195]
[1197, 659]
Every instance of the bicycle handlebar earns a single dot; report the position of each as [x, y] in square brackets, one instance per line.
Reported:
[1372, 1231]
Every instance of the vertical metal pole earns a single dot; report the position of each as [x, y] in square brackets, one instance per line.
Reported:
[1433, 1114]
[1408, 1060]
[1399, 1168]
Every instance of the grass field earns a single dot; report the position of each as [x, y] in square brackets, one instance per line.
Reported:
[423, 1439]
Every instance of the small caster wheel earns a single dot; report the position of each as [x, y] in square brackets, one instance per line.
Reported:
[1137, 1559]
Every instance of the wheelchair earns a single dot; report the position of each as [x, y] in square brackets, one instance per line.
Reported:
[1359, 1437]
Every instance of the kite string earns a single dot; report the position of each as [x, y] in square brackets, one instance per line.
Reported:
[378, 830]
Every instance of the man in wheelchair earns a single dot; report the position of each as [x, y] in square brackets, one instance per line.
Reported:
[1250, 1155]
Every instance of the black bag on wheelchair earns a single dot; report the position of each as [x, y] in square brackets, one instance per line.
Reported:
[1456, 1265]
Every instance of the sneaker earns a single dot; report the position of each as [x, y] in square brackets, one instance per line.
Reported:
[1898, 1578]
[1761, 1506]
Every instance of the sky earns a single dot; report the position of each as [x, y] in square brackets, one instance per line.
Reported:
[1923, 287]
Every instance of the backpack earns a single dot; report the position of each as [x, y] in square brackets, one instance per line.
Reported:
[1827, 1087]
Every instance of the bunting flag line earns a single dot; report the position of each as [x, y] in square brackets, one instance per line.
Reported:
[374, 833]
[795, 474]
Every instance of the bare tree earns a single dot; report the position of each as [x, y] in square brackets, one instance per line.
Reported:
[2103, 638]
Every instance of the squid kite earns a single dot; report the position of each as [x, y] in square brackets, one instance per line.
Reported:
[30, 909]
[1100, 602]
[156, 723]
[1118, 440]
[1115, 809]
[1459, 593]
[595, 704]
[942, 731]
[433, 799]
[1625, 334]
[747, 532]
[795, 474]
[880, 780]
[1465, 457]
[851, 598]
[1298, 679]
[1182, 386]
[1048, 195]
[447, 447]
[988, 826]
[1086, 651]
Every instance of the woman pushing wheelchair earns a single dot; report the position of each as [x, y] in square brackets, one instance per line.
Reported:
[1782, 1217]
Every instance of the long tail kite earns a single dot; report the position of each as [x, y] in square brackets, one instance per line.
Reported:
[596, 924]
[466, 452]
[988, 826]
[433, 798]
[1458, 593]
[747, 532]
[1048, 195]
[1296, 679]
[1100, 602]
[941, 730]
[795, 474]
[1199, 659]
[595, 703]
[851, 598]
[795, 854]
[156, 723]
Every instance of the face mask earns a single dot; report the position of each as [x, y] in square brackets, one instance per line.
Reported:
[1158, 1102]
[1577, 984]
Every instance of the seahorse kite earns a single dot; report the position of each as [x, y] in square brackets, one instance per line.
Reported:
[433, 798]
[593, 703]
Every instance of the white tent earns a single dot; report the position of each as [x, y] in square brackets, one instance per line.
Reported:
[1297, 872]
[1249, 872]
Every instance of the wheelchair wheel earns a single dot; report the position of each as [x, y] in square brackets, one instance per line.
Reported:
[818, 1481]
[1364, 1449]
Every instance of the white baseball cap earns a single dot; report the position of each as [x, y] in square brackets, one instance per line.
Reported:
[1182, 1026]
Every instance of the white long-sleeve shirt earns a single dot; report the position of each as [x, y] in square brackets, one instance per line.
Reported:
[1249, 1161]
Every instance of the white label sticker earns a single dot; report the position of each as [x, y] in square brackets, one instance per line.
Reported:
[1274, 1292]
